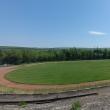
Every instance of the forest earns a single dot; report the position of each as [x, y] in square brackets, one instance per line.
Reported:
[16, 55]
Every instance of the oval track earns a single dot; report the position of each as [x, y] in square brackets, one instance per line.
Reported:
[7, 83]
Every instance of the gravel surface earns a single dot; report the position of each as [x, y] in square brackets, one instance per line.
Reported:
[88, 103]
[97, 102]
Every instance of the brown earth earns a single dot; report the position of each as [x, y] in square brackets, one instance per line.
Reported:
[7, 83]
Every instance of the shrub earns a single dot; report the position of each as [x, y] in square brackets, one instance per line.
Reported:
[76, 106]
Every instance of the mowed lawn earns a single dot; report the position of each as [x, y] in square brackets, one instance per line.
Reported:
[70, 72]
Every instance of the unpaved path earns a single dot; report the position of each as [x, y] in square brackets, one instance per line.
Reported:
[7, 83]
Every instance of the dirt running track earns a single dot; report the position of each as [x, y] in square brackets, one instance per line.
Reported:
[7, 83]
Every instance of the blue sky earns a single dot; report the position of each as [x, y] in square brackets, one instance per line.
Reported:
[55, 23]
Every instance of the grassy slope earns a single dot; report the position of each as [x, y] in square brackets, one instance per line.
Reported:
[62, 73]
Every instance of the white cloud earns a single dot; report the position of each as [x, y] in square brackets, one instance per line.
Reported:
[96, 33]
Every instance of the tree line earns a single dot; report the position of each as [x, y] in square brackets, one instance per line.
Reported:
[31, 55]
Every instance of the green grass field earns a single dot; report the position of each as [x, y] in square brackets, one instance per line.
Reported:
[71, 72]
